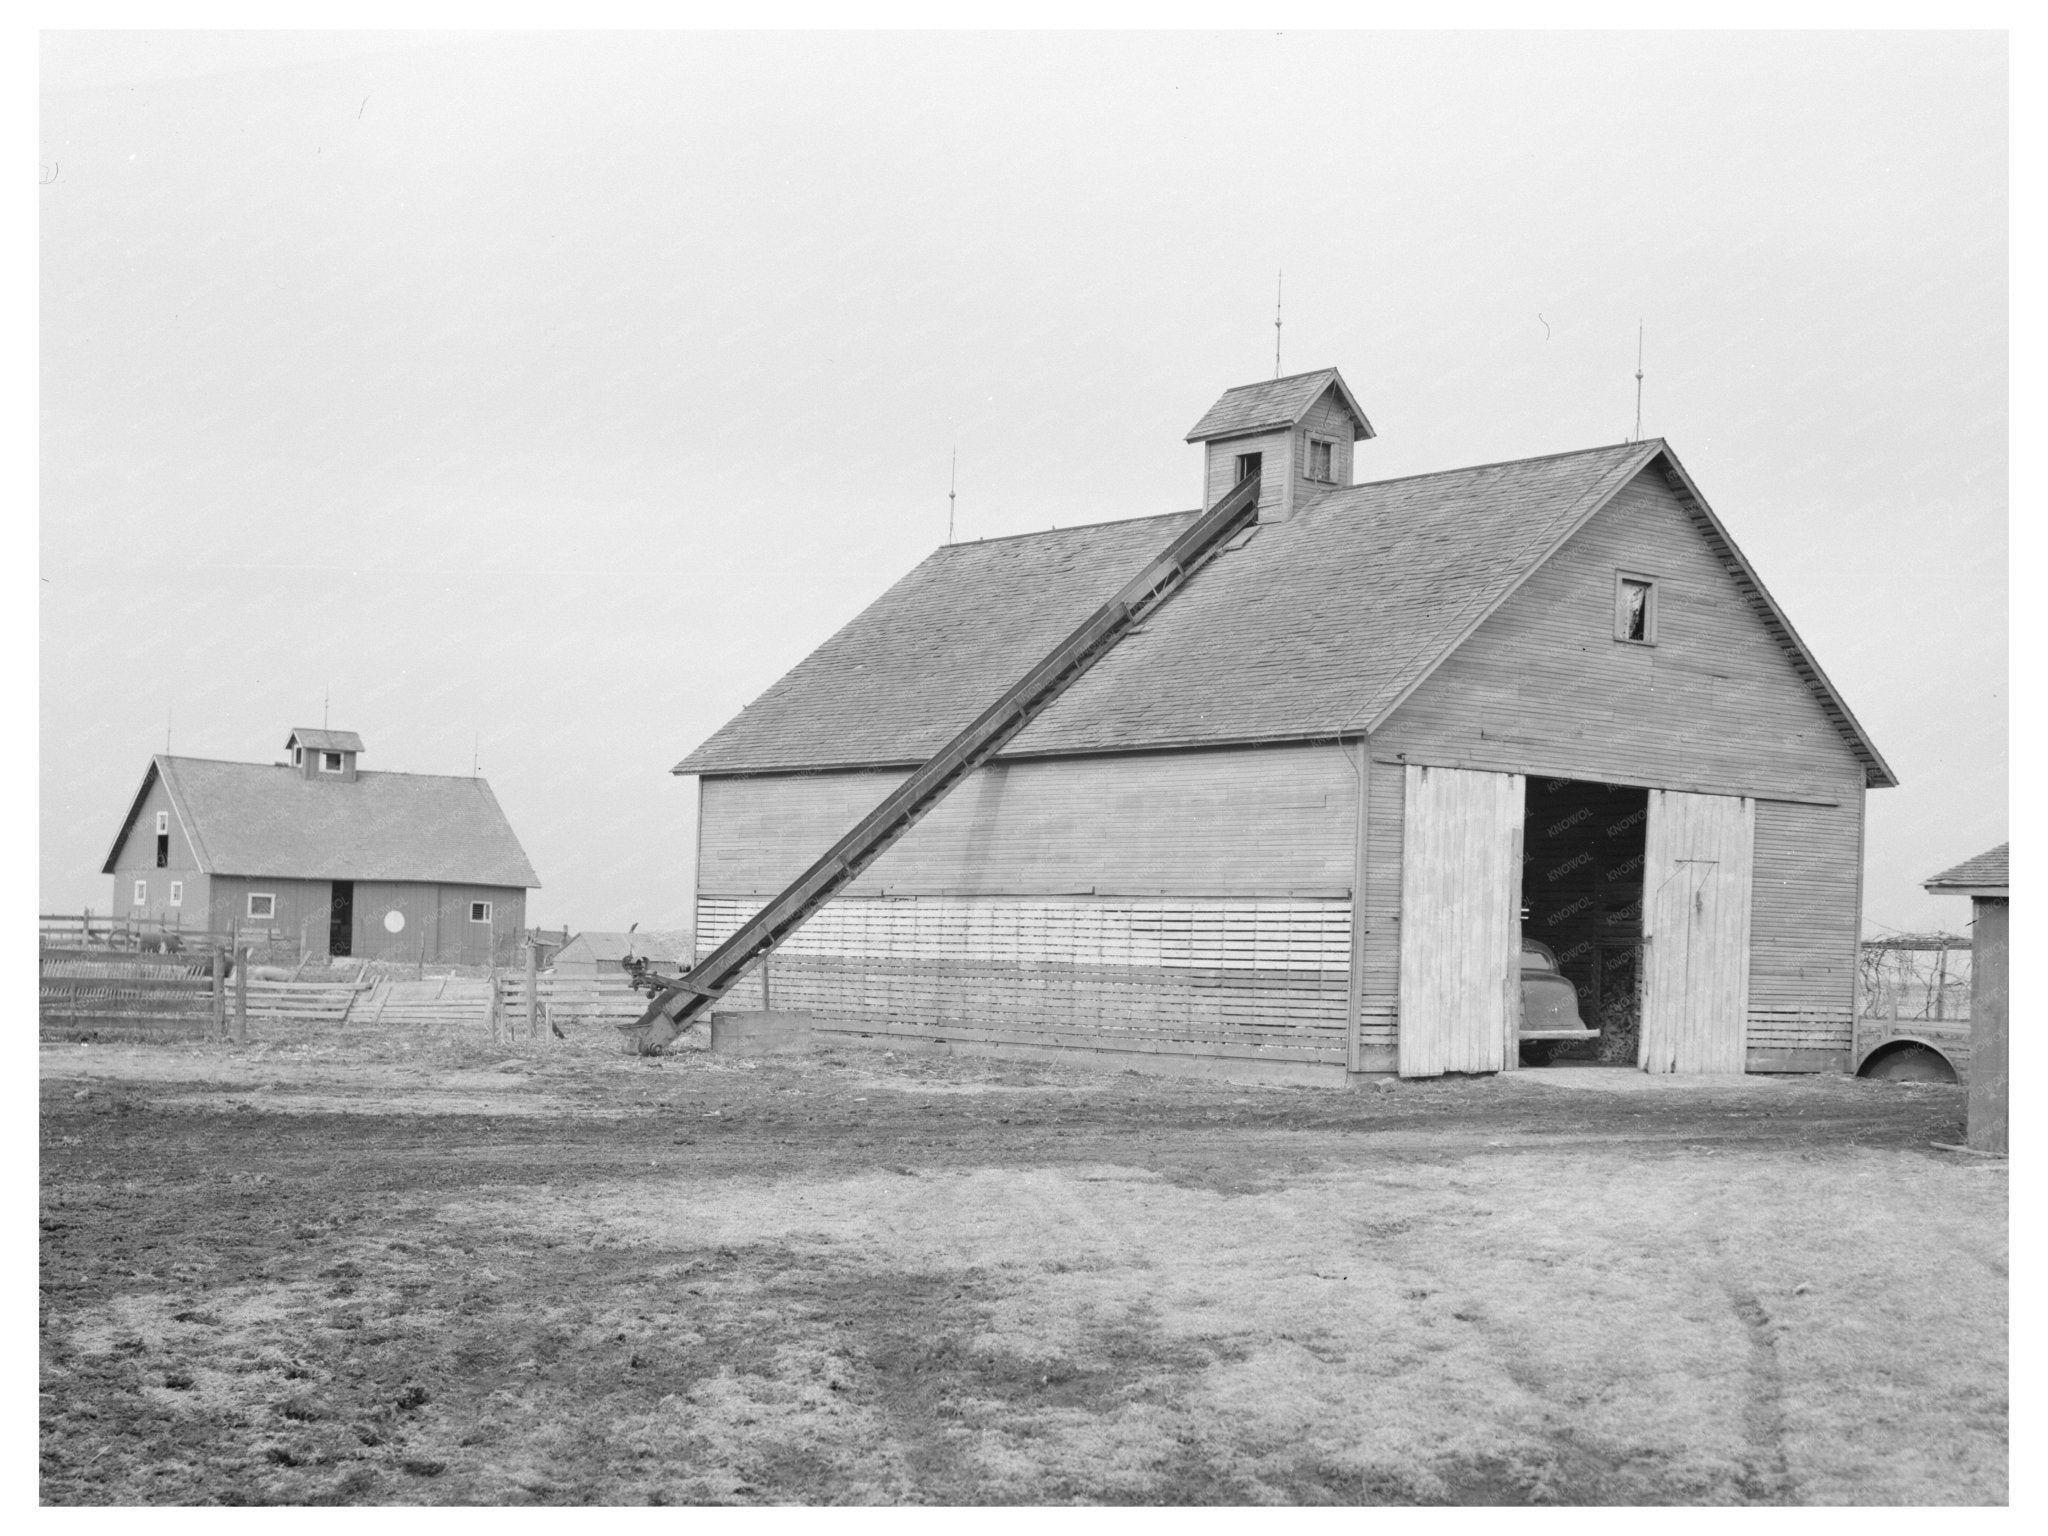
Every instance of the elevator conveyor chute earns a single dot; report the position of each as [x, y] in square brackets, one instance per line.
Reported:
[678, 999]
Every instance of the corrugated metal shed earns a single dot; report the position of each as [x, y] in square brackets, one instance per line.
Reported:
[264, 819]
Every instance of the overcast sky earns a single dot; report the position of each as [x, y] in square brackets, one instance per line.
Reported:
[544, 397]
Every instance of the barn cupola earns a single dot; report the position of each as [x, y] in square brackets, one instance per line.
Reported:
[1297, 432]
[324, 756]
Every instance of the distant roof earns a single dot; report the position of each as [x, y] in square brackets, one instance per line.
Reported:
[265, 819]
[1986, 873]
[1273, 404]
[595, 944]
[324, 740]
[1319, 626]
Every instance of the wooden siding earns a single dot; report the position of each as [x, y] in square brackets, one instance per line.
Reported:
[1380, 909]
[1543, 687]
[1460, 888]
[1276, 484]
[1989, 976]
[137, 861]
[1245, 978]
[301, 905]
[1697, 877]
[1328, 419]
[1804, 926]
[1258, 822]
[437, 927]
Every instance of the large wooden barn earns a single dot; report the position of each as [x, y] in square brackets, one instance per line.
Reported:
[339, 860]
[1303, 817]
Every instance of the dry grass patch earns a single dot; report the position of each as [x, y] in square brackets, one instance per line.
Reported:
[899, 1281]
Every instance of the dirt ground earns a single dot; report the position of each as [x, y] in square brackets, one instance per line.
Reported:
[418, 1271]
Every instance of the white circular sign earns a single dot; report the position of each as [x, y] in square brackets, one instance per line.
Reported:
[394, 922]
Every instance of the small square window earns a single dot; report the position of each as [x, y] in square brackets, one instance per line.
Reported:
[1321, 460]
[1248, 464]
[479, 911]
[330, 762]
[1635, 609]
[177, 893]
[263, 906]
[142, 893]
[163, 822]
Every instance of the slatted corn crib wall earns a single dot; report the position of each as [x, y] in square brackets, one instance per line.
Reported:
[1191, 976]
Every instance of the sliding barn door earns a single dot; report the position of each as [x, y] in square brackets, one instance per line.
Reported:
[1461, 931]
[1697, 866]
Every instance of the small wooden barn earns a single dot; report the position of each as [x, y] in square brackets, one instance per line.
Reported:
[336, 859]
[1302, 818]
[1986, 881]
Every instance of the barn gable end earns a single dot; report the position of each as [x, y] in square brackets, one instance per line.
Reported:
[1542, 686]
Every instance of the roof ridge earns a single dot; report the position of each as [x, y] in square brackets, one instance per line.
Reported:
[361, 773]
[1466, 469]
[1039, 533]
[1279, 378]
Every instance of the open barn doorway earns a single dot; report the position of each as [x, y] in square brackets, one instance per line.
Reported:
[1582, 899]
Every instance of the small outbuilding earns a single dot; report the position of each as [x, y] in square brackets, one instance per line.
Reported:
[1302, 818]
[335, 858]
[1985, 881]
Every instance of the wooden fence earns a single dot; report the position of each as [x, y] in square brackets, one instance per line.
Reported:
[86, 930]
[149, 994]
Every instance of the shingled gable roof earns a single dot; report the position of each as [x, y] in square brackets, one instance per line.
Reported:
[1986, 873]
[267, 820]
[1319, 627]
[323, 740]
[1274, 405]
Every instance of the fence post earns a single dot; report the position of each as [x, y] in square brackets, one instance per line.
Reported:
[242, 994]
[494, 1005]
[532, 988]
[220, 996]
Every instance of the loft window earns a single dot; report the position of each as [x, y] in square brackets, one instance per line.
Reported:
[1635, 609]
[330, 762]
[1248, 464]
[479, 911]
[177, 893]
[163, 839]
[262, 904]
[163, 822]
[142, 893]
[1321, 460]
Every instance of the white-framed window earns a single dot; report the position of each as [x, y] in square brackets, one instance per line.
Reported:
[330, 762]
[177, 893]
[262, 904]
[163, 823]
[479, 911]
[142, 893]
[1635, 608]
[1322, 460]
[1248, 464]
